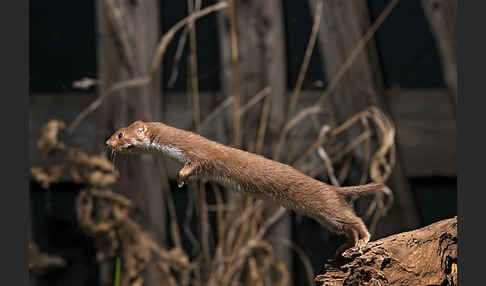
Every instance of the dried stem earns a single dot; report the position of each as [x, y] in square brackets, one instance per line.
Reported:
[308, 53]
[327, 161]
[235, 76]
[262, 128]
[230, 100]
[164, 42]
[136, 82]
[167, 194]
[193, 69]
[291, 124]
[304, 258]
[357, 50]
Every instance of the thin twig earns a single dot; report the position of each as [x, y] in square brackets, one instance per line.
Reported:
[358, 49]
[291, 124]
[327, 161]
[303, 257]
[235, 76]
[175, 232]
[262, 128]
[254, 100]
[308, 53]
[164, 42]
[180, 48]
[135, 82]
[193, 69]
[230, 100]
[226, 103]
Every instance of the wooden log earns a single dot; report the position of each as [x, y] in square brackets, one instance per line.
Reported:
[426, 256]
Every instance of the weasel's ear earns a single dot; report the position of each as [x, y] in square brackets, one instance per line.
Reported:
[141, 129]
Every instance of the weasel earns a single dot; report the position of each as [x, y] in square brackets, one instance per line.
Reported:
[251, 174]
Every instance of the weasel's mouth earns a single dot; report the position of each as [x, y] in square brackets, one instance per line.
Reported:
[129, 148]
[124, 148]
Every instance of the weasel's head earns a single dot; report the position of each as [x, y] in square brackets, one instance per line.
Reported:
[131, 139]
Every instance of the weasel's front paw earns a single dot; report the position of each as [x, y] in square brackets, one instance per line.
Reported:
[180, 180]
[186, 173]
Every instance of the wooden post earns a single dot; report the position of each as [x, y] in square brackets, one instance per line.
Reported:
[128, 34]
[343, 24]
[442, 19]
[261, 64]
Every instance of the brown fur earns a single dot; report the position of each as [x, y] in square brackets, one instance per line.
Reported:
[252, 174]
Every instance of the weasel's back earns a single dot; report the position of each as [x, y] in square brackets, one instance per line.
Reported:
[260, 176]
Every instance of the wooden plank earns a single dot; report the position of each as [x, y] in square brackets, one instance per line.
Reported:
[426, 131]
[45, 106]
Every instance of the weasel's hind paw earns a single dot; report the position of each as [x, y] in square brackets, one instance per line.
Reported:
[358, 248]
[361, 244]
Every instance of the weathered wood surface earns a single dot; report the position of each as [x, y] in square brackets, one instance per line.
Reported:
[261, 60]
[426, 131]
[261, 64]
[442, 17]
[426, 256]
[128, 35]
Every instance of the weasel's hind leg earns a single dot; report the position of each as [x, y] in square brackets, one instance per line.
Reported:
[363, 232]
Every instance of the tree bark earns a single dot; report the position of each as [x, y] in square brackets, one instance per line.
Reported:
[128, 35]
[442, 19]
[343, 24]
[426, 256]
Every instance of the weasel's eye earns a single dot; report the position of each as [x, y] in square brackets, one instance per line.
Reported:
[120, 135]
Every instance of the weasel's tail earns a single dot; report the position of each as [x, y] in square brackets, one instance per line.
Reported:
[368, 189]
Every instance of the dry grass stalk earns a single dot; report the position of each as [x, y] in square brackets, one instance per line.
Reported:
[235, 77]
[357, 50]
[156, 63]
[194, 86]
[305, 62]
[135, 82]
[162, 46]
[291, 124]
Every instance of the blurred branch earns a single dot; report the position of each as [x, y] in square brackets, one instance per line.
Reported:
[41, 263]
